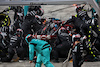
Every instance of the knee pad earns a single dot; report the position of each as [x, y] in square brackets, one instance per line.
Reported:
[20, 51]
[11, 51]
[10, 55]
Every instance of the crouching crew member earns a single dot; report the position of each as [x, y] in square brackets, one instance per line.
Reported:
[42, 49]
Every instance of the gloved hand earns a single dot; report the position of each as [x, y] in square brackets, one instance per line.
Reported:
[32, 13]
[30, 61]
[81, 13]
